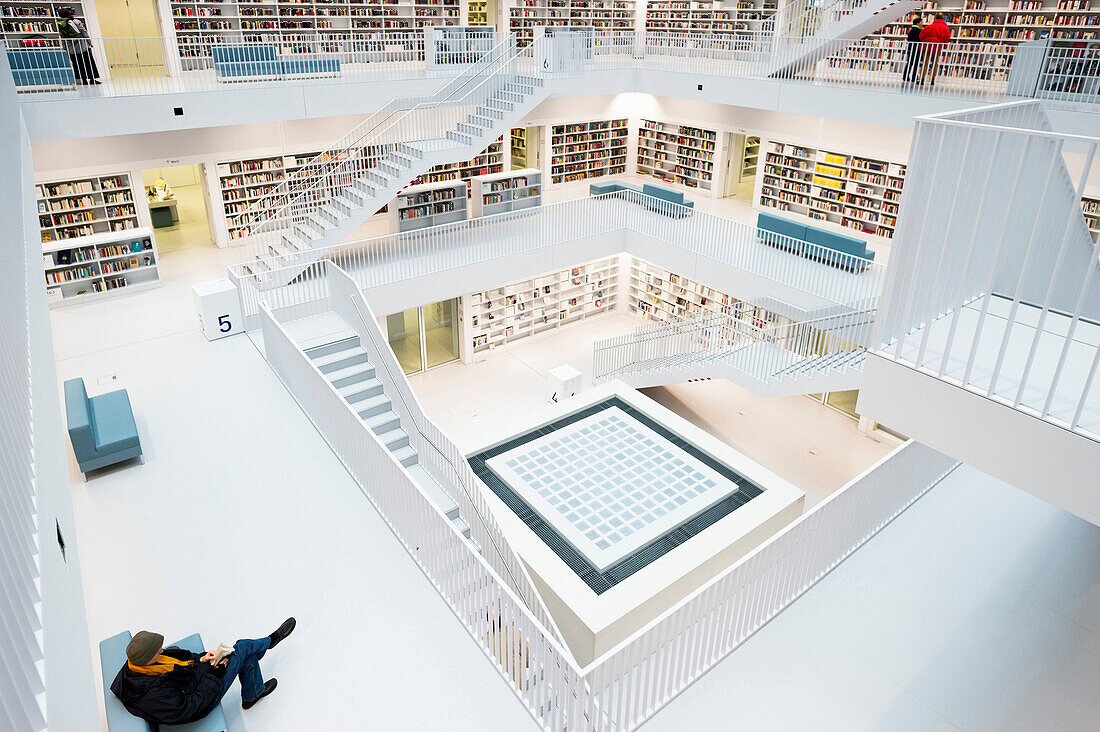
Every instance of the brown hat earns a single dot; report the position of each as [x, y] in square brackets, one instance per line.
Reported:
[144, 647]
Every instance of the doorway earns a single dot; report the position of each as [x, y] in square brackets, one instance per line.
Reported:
[526, 148]
[842, 401]
[178, 207]
[133, 45]
[741, 166]
[424, 337]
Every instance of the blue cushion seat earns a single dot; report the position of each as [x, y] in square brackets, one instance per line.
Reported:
[648, 189]
[611, 186]
[300, 66]
[102, 429]
[41, 67]
[243, 62]
[112, 655]
[838, 250]
[242, 69]
[244, 54]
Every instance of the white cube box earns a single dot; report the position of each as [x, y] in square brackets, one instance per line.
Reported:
[565, 381]
[219, 309]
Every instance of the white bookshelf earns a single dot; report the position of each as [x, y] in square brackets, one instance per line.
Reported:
[33, 23]
[660, 295]
[490, 160]
[582, 150]
[1090, 205]
[518, 147]
[1012, 22]
[79, 207]
[750, 157]
[243, 182]
[418, 207]
[677, 153]
[301, 26]
[480, 12]
[503, 192]
[715, 18]
[100, 265]
[845, 189]
[525, 15]
[500, 315]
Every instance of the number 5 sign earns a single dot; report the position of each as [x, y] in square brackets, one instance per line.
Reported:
[219, 309]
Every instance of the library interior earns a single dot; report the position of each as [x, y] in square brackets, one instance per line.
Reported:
[553, 364]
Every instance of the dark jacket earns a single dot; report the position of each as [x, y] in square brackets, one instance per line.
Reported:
[913, 36]
[177, 697]
[936, 32]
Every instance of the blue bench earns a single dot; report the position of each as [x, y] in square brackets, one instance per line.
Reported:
[44, 67]
[654, 192]
[611, 186]
[101, 429]
[244, 63]
[112, 656]
[838, 250]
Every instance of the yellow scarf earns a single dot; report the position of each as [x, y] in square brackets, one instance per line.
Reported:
[161, 665]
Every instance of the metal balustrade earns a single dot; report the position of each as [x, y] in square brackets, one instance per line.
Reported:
[993, 272]
[818, 345]
[966, 70]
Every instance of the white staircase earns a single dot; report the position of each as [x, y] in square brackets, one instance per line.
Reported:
[346, 366]
[342, 187]
[804, 31]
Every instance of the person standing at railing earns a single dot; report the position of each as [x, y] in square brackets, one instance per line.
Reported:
[933, 36]
[912, 52]
[74, 36]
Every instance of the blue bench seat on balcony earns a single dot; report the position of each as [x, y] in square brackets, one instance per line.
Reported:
[101, 429]
[262, 61]
[112, 655]
[659, 193]
[838, 250]
[41, 67]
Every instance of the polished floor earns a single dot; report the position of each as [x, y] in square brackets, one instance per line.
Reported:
[193, 228]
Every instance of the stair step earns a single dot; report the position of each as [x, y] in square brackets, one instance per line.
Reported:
[362, 189]
[295, 243]
[406, 455]
[369, 406]
[407, 149]
[470, 129]
[319, 222]
[328, 349]
[331, 362]
[438, 496]
[462, 526]
[361, 389]
[333, 214]
[382, 421]
[351, 374]
[394, 439]
[460, 137]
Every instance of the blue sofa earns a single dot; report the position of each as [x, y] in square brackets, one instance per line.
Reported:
[839, 250]
[242, 63]
[48, 67]
[102, 428]
[112, 655]
[658, 192]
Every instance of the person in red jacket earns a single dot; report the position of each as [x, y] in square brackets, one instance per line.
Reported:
[933, 36]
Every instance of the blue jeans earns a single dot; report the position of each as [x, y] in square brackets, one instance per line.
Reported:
[244, 663]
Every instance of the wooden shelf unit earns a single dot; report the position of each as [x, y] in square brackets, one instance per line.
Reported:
[503, 192]
[500, 315]
[100, 265]
[418, 207]
[525, 15]
[677, 153]
[1011, 22]
[852, 191]
[79, 207]
[33, 23]
[582, 150]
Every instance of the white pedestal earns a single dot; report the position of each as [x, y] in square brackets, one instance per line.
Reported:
[219, 309]
[565, 381]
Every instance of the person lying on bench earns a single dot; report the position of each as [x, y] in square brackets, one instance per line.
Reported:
[174, 686]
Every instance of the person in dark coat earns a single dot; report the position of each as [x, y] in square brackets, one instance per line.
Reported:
[74, 36]
[912, 52]
[174, 686]
[933, 36]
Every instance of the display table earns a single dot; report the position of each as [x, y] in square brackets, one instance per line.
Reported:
[164, 213]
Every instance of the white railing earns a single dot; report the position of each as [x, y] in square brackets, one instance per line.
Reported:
[713, 239]
[630, 683]
[994, 275]
[366, 146]
[704, 337]
[1070, 73]
[437, 452]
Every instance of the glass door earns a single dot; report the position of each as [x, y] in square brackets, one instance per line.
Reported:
[425, 337]
[403, 332]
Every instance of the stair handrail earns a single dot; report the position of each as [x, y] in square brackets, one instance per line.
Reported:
[523, 585]
[334, 170]
[800, 20]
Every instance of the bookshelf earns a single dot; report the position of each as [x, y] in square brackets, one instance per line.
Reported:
[519, 147]
[303, 26]
[458, 44]
[525, 15]
[503, 192]
[500, 315]
[584, 150]
[750, 157]
[1090, 206]
[715, 18]
[663, 296]
[418, 207]
[79, 207]
[851, 191]
[100, 265]
[33, 23]
[480, 12]
[677, 153]
[1011, 22]
[490, 160]
[243, 182]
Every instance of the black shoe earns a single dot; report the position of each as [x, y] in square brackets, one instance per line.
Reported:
[269, 686]
[282, 631]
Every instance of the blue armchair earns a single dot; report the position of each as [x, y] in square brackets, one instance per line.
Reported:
[101, 429]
